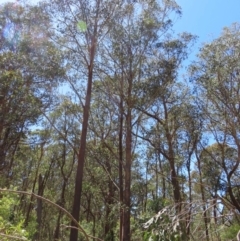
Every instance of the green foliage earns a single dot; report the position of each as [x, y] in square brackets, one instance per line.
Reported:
[11, 221]
[229, 232]
[163, 227]
[156, 204]
[82, 26]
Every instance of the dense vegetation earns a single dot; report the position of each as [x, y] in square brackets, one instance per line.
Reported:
[101, 136]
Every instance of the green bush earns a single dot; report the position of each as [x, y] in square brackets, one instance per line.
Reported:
[11, 223]
[163, 227]
[230, 233]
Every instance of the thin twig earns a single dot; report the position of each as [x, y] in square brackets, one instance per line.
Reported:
[12, 237]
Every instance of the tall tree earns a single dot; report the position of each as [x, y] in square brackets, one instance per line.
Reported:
[30, 68]
[139, 26]
[216, 73]
[166, 106]
[81, 26]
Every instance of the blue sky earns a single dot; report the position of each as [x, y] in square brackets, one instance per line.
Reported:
[206, 18]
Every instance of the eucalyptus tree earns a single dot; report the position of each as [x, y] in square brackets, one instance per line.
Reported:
[48, 169]
[140, 25]
[103, 149]
[191, 135]
[217, 162]
[129, 28]
[216, 75]
[63, 128]
[30, 68]
[80, 27]
[164, 100]
[212, 185]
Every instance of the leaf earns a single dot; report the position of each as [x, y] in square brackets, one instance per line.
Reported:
[82, 26]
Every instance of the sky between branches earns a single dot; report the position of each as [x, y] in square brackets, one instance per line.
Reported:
[204, 18]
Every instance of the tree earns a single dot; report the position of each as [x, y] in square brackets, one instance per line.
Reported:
[164, 105]
[30, 68]
[81, 27]
[217, 78]
[132, 37]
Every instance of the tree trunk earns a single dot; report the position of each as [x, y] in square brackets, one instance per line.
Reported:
[81, 160]
[203, 200]
[30, 206]
[174, 179]
[188, 221]
[120, 167]
[109, 229]
[62, 201]
[127, 190]
[162, 175]
[83, 140]
[39, 207]
[229, 175]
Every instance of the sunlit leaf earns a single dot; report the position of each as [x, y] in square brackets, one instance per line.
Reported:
[82, 26]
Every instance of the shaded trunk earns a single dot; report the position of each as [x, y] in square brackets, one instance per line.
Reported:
[145, 197]
[234, 201]
[188, 221]
[156, 176]
[3, 136]
[120, 168]
[57, 230]
[214, 204]
[174, 180]
[229, 175]
[203, 200]
[127, 190]
[62, 201]
[39, 207]
[163, 177]
[30, 206]
[3, 147]
[109, 228]
[171, 160]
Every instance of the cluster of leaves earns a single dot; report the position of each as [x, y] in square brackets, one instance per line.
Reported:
[12, 221]
[164, 226]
